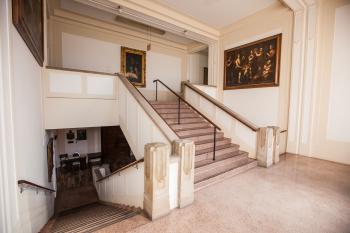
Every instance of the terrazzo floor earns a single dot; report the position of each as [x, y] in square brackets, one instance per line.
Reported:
[298, 195]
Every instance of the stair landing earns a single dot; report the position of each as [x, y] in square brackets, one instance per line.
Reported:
[229, 160]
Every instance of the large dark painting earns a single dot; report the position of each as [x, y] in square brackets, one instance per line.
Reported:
[27, 16]
[253, 65]
[134, 65]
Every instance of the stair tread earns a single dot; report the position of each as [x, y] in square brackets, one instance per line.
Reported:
[222, 158]
[217, 148]
[196, 128]
[203, 134]
[251, 163]
[211, 141]
[219, 167]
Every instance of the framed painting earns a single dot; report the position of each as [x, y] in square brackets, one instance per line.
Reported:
[134, 65]
[27, 17]
[256, 64]
[50, 158]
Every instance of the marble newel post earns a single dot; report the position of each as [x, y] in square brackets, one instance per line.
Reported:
[268, 146]
[185, 149]
[156, 196]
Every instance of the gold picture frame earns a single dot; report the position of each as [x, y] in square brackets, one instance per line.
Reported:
[133, 65]
[253, 65]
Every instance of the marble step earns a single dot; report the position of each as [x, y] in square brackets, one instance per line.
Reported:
[217, 167]
[190, 126]
[188, 133]
[205, 144]
[174, 121]
[206, 136]
[219, 150]
[225, 175]
[174, 110]
[175, 115]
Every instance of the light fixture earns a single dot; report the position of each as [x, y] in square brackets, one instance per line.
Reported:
[120, 9]
[149, 44]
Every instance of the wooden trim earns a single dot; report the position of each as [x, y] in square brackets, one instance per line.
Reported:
[81, 71]
[122, 169]
[241, 119]
[20, 182]
[157, 80]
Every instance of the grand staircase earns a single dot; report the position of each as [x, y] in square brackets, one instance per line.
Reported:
[229, 160]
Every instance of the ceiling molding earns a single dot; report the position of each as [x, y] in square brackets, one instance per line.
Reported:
[74, 18]
[172, 20]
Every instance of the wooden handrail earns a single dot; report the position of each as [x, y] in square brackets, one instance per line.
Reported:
[21, 182]
[123, 168]
[239, 118]
[182, 99]
[78, 70]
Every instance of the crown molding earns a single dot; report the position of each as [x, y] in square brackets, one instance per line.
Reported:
[168, 19]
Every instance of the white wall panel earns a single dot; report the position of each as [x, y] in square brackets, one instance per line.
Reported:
[100, 86]
[339, 107]
[65, 83]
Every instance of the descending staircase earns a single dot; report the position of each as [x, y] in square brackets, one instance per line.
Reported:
[229, 160]
[73, 198]
[89, 218]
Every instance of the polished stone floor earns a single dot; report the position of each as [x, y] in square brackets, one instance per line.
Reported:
[298, 195]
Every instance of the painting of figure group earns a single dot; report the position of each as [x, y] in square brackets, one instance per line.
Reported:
[253, 65]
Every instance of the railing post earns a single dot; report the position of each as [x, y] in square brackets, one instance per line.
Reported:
[156, 182]
[178, 108]
[156, 90]
[268, 146]
[185, 150]
[214, 148]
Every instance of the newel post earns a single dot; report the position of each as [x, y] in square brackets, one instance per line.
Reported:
[185, 149]
[268, 146]
[156, 196]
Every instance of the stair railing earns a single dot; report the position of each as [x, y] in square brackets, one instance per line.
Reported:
[216, 127]
[24, 184]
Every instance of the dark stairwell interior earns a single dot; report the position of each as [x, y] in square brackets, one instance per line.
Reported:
[81, 154]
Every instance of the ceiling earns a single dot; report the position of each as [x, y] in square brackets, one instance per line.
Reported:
[112, 18]
[217, 13]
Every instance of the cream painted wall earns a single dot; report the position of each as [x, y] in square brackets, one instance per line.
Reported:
[197, 62]
[338, 126]
[79, 52]
[330, 116]
[30, 137]
[82, 46]
[262, 106]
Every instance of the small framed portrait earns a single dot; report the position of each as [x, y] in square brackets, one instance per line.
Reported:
[81, 134]
[256, 64]
[134, 65]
